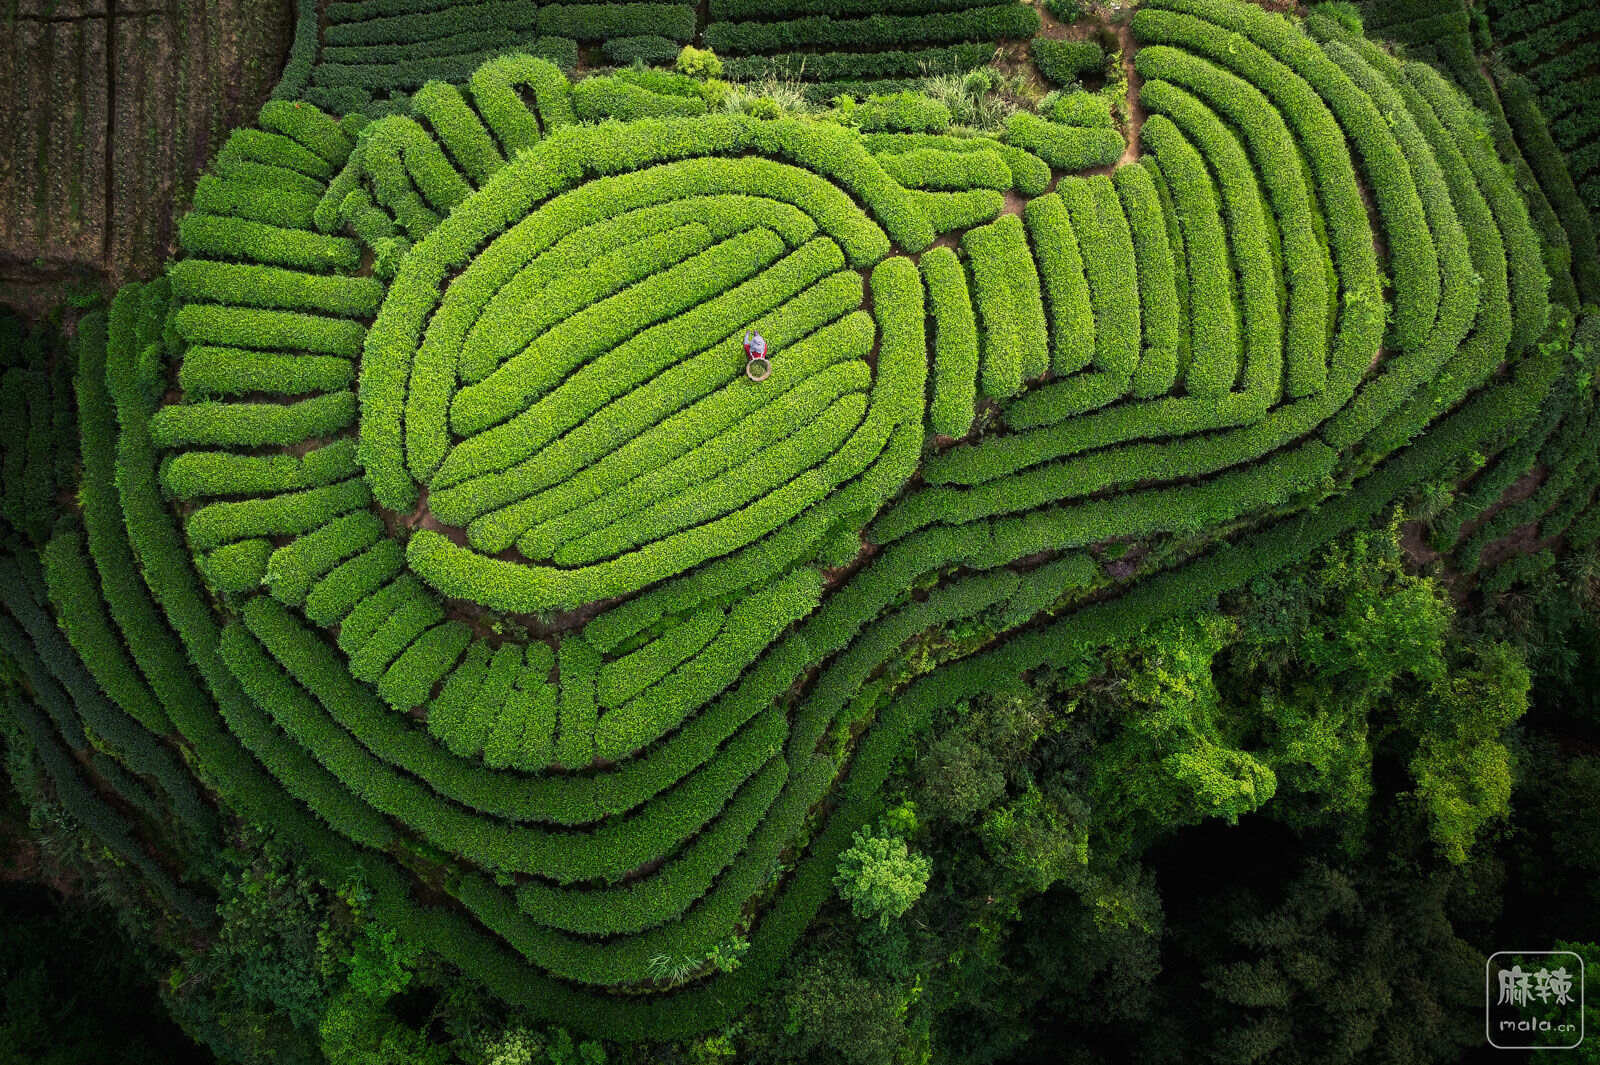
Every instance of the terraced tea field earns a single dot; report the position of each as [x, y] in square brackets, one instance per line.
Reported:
[423, 511]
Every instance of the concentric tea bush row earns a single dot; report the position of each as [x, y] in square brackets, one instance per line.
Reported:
[426, 509]
[1441, 32]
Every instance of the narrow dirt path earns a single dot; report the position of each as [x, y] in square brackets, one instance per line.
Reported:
[1132, 106]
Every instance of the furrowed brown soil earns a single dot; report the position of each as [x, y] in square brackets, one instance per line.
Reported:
[109, 110]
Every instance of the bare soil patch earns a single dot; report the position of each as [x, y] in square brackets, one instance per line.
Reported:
[109, 110]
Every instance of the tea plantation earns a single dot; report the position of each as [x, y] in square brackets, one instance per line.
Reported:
[420, 512]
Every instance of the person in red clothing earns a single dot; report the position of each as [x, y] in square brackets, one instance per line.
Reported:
[757, 368]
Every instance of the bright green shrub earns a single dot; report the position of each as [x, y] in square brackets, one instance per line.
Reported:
[664, 82]
[1110, 269]
[209, 424]
[880, 878]
[1064, 147]
[597, 98]
[699, 63]
[908, 111]
[1077, 108]
[237, 170]
[295, 566]
[223, 237]
[948, 211]
[208, 371]
[1158, 301]
[955, 343]
[1010, 310]
[1214, 318]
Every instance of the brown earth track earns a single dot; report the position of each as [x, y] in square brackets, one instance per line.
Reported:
[109, 110]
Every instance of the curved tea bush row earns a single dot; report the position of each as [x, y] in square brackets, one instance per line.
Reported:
[993, 464]
[1030, 175]
[1414, 264]
[1005, 292]
[955, 343]
[502, 456]
[896, 396]
[1506, 316]
[1307, 270]
[1064, 147]
[1106, 245]
[1214, 289]
[1064, 284]
[1252, 245]
[1440, 32]
[698, 443]
[1158, 294]
[803, 292]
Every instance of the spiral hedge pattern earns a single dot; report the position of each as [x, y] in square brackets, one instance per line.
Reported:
[426, 510]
